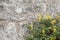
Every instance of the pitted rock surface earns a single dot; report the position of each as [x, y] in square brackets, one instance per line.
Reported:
[15, 13]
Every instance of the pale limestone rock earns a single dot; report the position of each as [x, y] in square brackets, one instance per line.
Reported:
[18, 10]
[10, 25]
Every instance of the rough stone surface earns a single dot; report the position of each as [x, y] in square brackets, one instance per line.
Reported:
[15, 13]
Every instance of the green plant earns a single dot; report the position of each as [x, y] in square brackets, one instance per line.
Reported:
[45, 28]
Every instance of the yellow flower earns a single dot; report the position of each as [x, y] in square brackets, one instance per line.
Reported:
[53, 22]
[47, 16]
[52, 38]
[54, 30]
[57, 16]
[39, 17]
[43, 31]
[31, 26]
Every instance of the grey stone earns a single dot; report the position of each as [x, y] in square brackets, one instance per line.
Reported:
[15, 13]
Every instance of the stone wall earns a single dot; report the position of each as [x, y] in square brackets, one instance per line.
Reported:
[15, 13]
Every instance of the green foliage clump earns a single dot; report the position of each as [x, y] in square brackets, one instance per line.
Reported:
[45, 28]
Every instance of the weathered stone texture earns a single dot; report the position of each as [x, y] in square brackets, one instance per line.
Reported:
[15, 13]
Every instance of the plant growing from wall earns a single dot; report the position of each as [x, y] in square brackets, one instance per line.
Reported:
[45, 28]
